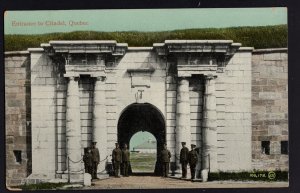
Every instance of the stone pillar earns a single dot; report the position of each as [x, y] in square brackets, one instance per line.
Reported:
[99, 120]
[183, 131]
[73, 130]
[209, 127]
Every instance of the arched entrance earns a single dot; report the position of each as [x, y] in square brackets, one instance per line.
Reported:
[143, 149]
[142, 117]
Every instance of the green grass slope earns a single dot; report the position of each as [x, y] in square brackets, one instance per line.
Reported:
[257, 37]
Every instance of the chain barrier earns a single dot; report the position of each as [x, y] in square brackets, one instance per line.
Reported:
[81, 170]
[76, 161]
[103, 159]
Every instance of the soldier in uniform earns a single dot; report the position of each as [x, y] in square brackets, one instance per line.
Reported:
[88, 161]
[125, 160]
[193, 159]
[95, 160]
[184, 153]
[165, 156]
[117, 158]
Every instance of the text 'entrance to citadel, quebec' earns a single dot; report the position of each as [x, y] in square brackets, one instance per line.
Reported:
[142, 117]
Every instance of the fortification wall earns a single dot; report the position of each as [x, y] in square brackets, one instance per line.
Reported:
[270, 109]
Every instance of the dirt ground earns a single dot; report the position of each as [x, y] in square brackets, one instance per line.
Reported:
[155, 182]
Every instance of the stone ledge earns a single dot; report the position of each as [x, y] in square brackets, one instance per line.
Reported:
[250, 49]
[140, 49]
[140, 70]
[10, 53]
[30, 50]
[270, 50]
[84, 42]
[197, 41]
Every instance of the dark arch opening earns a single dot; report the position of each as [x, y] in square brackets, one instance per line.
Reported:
[142, 117]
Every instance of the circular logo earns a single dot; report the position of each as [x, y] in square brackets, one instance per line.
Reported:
[271, 175]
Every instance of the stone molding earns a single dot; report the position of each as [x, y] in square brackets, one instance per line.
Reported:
[13, 53]
[198, 56]
[270, 50]
[88, 47]
[77, 70]
[227, 47]
[140, 77]
[189, 70]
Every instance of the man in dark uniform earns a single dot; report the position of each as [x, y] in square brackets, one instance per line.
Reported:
[184, 153]
[165, 156]
[125, 160]
[193, 159]
[88, 161]
[117, 158]
[95, 160]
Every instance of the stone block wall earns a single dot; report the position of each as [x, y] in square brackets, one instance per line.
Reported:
[267, 70]
[17, 117]
[233, 95]
[269, 108]
[43, 99]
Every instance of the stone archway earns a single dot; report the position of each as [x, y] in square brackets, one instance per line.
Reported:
[142, 117]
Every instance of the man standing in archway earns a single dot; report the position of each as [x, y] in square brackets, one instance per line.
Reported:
[125, 160]
[95, 160]
[193, 159]
[165, 159]
[184, 153]
[117, 158]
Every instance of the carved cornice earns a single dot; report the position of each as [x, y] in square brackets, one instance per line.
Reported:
[198, 56]
[66, 50]
[84, 57]
[225, 47]
[86, 47]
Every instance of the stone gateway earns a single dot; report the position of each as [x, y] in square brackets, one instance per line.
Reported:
[193, 91]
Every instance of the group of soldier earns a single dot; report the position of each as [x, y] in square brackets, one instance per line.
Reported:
[91, 160]
[186, 157]
[122, 156]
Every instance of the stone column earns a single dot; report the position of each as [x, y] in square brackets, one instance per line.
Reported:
[99, 120]
[183, 131]
[209, 127]
[73, 129]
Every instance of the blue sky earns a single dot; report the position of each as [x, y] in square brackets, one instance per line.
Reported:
[141, 19]
[139, 138]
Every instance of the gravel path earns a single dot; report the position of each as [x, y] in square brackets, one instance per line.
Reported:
[151, 182]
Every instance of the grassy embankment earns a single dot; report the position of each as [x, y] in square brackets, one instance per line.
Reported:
[257, 37]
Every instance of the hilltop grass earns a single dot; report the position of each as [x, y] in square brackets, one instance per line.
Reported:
[257, 37]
